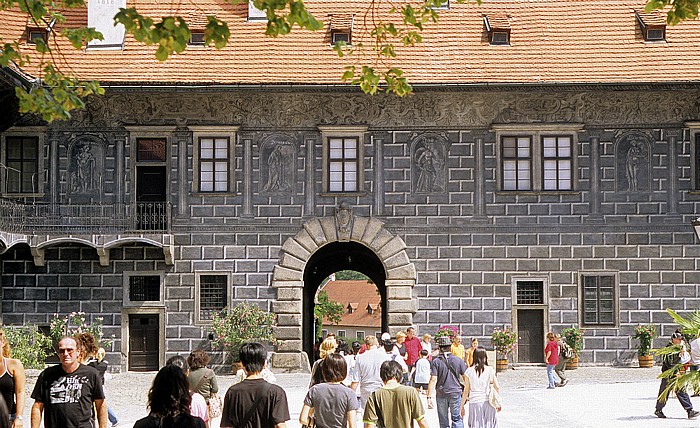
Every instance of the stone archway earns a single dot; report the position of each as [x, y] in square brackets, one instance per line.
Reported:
[288, 277]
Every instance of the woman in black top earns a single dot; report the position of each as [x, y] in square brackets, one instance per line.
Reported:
[169, 400]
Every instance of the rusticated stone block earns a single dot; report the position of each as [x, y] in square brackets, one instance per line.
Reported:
[289, 320]
[306, 241]
[372, 229]
[358, 228]
[399, 319]
[294, 248]
[291, 262]
[382, 238]
[286, 307]
[394, 246]
[286, 333]
[285, 274]
[404, 272]
[399, 292]
[328, 226]
[399, 259]
[315, 231]
[289, 293]
[290, 361]
[290, 345]
[394, 306]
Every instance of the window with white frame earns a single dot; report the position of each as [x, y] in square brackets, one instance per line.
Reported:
[598, 299]
[213, 164]
[537, 157]
[557, 163]
[360, 335]
[213, 159]
[343, 164]
[342, 333]
[343, 170]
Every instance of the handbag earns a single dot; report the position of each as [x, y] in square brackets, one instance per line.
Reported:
[215, 406]
[311, 424]
[494, 396]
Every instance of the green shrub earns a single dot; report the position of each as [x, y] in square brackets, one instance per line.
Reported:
[29, 345]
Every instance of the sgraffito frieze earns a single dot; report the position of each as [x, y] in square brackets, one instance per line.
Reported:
[280, 110]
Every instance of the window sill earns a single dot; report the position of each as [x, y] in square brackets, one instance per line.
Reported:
[335, 194]
[599, 327]
[538, 192]
[22, 195]
[205, 194]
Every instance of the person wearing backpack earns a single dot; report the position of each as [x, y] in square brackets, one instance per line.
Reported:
[447, 378]
[565, 354]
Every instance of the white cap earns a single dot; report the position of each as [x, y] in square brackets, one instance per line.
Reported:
[386, 336]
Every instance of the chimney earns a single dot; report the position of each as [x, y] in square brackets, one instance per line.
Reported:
[101, 17]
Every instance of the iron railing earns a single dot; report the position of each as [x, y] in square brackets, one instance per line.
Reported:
[84, 218]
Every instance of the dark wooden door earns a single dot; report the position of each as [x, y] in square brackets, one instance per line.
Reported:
[151, 185]
[143, 343]
[530, 336]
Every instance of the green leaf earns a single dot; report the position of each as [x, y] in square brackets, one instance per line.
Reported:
[81, 36]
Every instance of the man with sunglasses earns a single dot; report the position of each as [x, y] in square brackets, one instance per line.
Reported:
[65, 393]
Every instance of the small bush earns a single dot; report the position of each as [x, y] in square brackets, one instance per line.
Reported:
[29, 345]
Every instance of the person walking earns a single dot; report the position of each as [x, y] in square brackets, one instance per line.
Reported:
[413, 348]
[201, 378]
[457, 348]
[421, 373]
[560, 368]
[426, 343]
[393, 405]
[101, 365]
[447, 375]
[169, 402]
[367, 367]
[328, 346]
[668, 362]
[64, 394]
[254, 402]
[198, 405]
[12, 383]
[551, 358]
[480, 377]
[390, 349]
[469, 353]
[332, 404]
[695, 361]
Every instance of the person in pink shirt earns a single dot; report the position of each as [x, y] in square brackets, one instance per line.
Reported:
[551, 357]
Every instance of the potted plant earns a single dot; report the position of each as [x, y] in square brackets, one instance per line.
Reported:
[447, 330]
[573, 336]
[645, 333]
[504, 341]
[245, 322]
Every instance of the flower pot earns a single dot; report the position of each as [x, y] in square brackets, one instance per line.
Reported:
[572, 363]
[501, 365]
[646, 361]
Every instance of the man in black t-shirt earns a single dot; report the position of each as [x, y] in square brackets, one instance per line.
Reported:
[254, 403]
[65, 393]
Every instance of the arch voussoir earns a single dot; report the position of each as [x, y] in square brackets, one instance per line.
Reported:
[329, 229]
[315, 231]
[293, 247]
[374, 226]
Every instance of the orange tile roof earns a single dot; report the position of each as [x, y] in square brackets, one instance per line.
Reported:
[552, 41]
[358, 295]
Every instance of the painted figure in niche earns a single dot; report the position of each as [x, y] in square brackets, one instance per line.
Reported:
[83, 176]
[635, 155]
[277, 167]
[428, 161]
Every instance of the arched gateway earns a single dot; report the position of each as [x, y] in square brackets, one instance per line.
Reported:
[323, 246]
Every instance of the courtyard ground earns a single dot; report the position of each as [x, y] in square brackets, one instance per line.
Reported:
[595, 397]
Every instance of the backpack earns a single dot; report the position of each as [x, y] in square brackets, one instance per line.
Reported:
[567, 351]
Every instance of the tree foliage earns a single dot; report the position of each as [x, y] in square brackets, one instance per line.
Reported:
[327, 309]
[58, 91]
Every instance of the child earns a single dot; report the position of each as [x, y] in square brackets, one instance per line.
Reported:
[421, 372]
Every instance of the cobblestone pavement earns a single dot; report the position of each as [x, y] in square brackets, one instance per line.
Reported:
[595, 397]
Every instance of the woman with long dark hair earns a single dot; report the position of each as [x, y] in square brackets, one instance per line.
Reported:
[480, 377]
[169, 402]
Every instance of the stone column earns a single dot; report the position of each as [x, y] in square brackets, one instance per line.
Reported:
[594, 211]
[120, 140]
[378, 175]
[288, 307]
[247, 178]
[479, 178]
[672, 193]
[54, 156]
[182, 137]
[310, 179]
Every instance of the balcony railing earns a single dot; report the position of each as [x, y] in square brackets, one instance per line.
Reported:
[84, 218]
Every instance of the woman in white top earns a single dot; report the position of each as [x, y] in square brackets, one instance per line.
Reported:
[480, 377]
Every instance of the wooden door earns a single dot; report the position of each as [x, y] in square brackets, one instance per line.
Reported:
[530, 336]
[143, 343]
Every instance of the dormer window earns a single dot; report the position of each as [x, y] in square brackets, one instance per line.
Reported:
[370, 309]
[341, 28]
[34, 34]
[498, 29]
[352, 307]
[197, 38]
[653, 26]
[255, 14]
